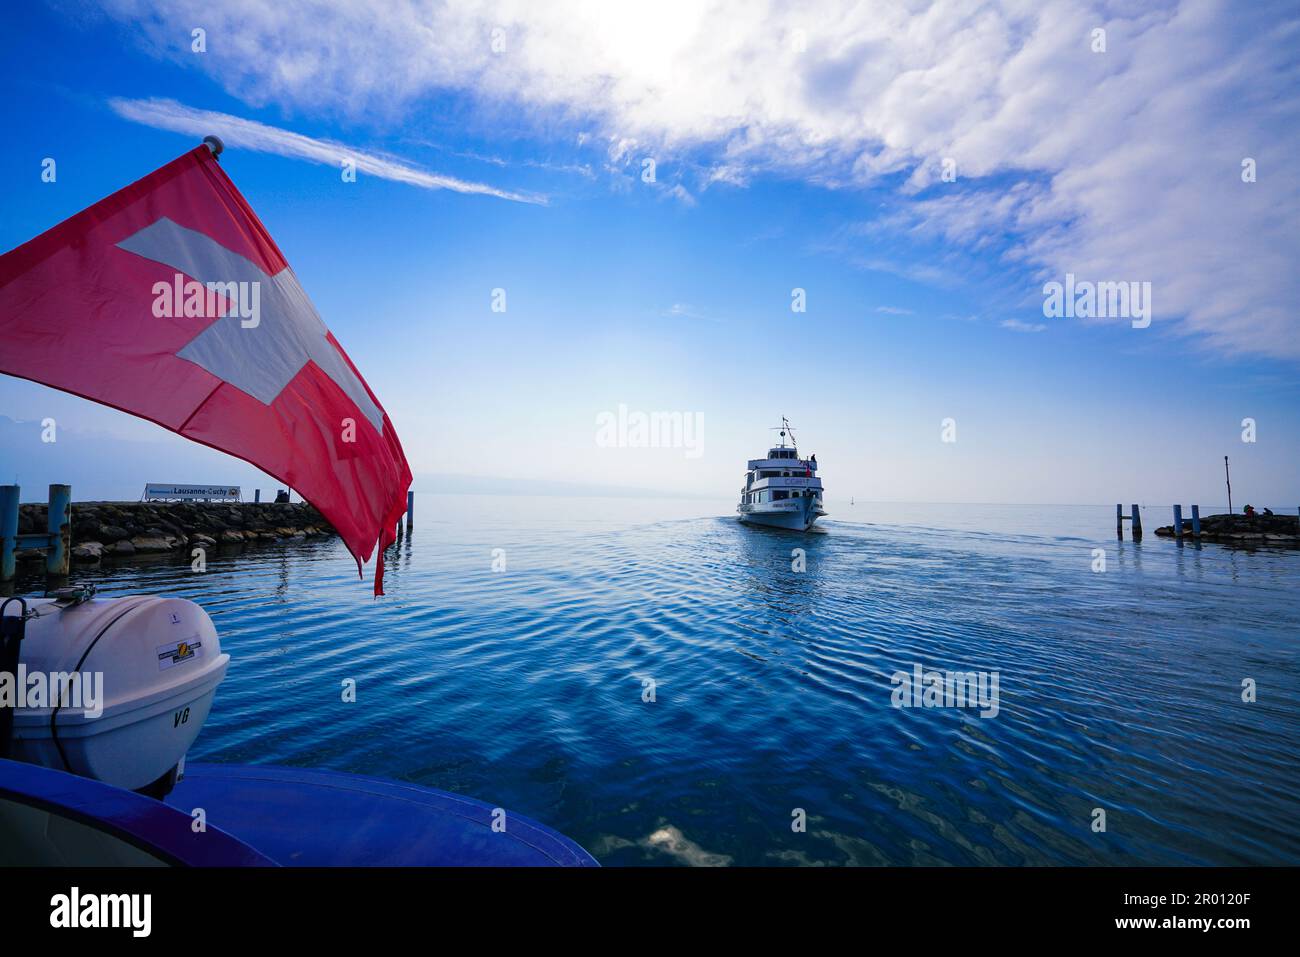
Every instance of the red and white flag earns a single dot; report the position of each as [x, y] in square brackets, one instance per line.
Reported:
[170, 300]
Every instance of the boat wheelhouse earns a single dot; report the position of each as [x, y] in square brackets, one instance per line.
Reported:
[782, 490]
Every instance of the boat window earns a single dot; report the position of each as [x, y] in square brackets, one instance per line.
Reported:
[36, 836]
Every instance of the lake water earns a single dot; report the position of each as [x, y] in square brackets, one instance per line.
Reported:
[772, 687]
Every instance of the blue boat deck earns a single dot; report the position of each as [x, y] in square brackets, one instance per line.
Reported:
[310, 818]
[264, 816]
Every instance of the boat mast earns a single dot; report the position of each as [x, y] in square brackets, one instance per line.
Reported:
[783, 428]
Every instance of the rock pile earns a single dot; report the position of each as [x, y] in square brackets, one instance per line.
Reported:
[106, 529]
[1244, 529]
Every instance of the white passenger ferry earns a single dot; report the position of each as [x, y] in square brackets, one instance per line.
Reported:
[782, 490]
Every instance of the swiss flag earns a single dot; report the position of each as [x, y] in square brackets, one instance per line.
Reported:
[170, 300]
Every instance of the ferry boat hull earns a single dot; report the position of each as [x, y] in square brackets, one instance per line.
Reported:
[798, 517]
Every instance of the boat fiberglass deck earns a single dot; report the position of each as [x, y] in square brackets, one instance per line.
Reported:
[263, 816]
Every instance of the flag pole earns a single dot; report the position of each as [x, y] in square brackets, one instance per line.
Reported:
[214, 143]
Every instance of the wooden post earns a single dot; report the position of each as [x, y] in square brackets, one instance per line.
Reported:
[257, 495]
[1178, 522]
[1119, 521]
[1137, 524]
[1228, 475]
[1196, 522]
[410, 509]
[58, 556]
[8, 530]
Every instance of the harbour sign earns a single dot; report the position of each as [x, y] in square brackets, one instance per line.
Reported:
[191, 493]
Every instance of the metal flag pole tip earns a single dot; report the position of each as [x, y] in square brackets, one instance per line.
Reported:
[214, 143]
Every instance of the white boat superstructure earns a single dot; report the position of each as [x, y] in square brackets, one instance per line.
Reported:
[782, 490]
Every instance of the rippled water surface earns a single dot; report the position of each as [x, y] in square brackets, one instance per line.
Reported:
[1120, 690]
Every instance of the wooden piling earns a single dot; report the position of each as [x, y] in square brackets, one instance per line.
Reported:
[58, 557]
[8, 531]
[1196, 522]
[410, 509]
[56, 540]
[1135, 517]
[1178, 522]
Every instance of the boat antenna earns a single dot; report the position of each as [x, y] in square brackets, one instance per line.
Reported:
[783, 428]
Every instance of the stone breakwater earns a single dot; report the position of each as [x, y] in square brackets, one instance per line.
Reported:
[1243, 529]
[120, 529]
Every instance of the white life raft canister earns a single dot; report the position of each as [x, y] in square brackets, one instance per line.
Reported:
[156, 663]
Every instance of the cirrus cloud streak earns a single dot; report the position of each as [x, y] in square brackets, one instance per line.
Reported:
[241, 133]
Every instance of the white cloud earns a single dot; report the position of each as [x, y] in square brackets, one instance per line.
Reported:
[730, 175]
[237, 132]
[683, 310]
[1015, 325]
[1128, 160]
[682, 195]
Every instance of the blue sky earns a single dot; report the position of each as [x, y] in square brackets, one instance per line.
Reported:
[789, 153]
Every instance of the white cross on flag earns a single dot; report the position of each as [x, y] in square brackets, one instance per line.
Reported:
[170, 300]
